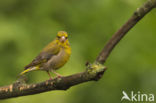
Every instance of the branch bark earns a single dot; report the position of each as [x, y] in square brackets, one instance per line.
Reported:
[93, 71]
[20, 88]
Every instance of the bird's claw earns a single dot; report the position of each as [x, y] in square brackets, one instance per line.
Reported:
[59, 76]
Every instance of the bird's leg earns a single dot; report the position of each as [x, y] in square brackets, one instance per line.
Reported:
[58, 75]
[49, 75]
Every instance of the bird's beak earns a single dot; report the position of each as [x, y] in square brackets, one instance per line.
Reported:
[63, 39]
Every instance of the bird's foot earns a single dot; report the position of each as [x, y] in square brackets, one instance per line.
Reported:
[50, 78]
[59, 76]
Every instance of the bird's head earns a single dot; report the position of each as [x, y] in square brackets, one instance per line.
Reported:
[62, 39]
[62, 36]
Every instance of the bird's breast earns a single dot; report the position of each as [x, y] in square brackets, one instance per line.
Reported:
[60, 59]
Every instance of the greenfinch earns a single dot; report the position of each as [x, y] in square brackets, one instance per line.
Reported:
[52, 57]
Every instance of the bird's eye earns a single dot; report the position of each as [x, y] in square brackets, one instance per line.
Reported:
[66, 37]
[58, 37]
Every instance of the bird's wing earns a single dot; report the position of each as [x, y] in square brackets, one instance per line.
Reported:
[48, 52]
[41, 58]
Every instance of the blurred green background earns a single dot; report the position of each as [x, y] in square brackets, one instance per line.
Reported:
[26, 26]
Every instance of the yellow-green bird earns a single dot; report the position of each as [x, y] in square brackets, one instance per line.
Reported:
[53, 56]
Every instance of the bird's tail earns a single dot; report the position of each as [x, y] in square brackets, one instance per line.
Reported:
[29, 69]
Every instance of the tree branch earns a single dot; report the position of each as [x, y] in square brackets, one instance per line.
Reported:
[19, 88]
[138, 15]
[93, 71]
